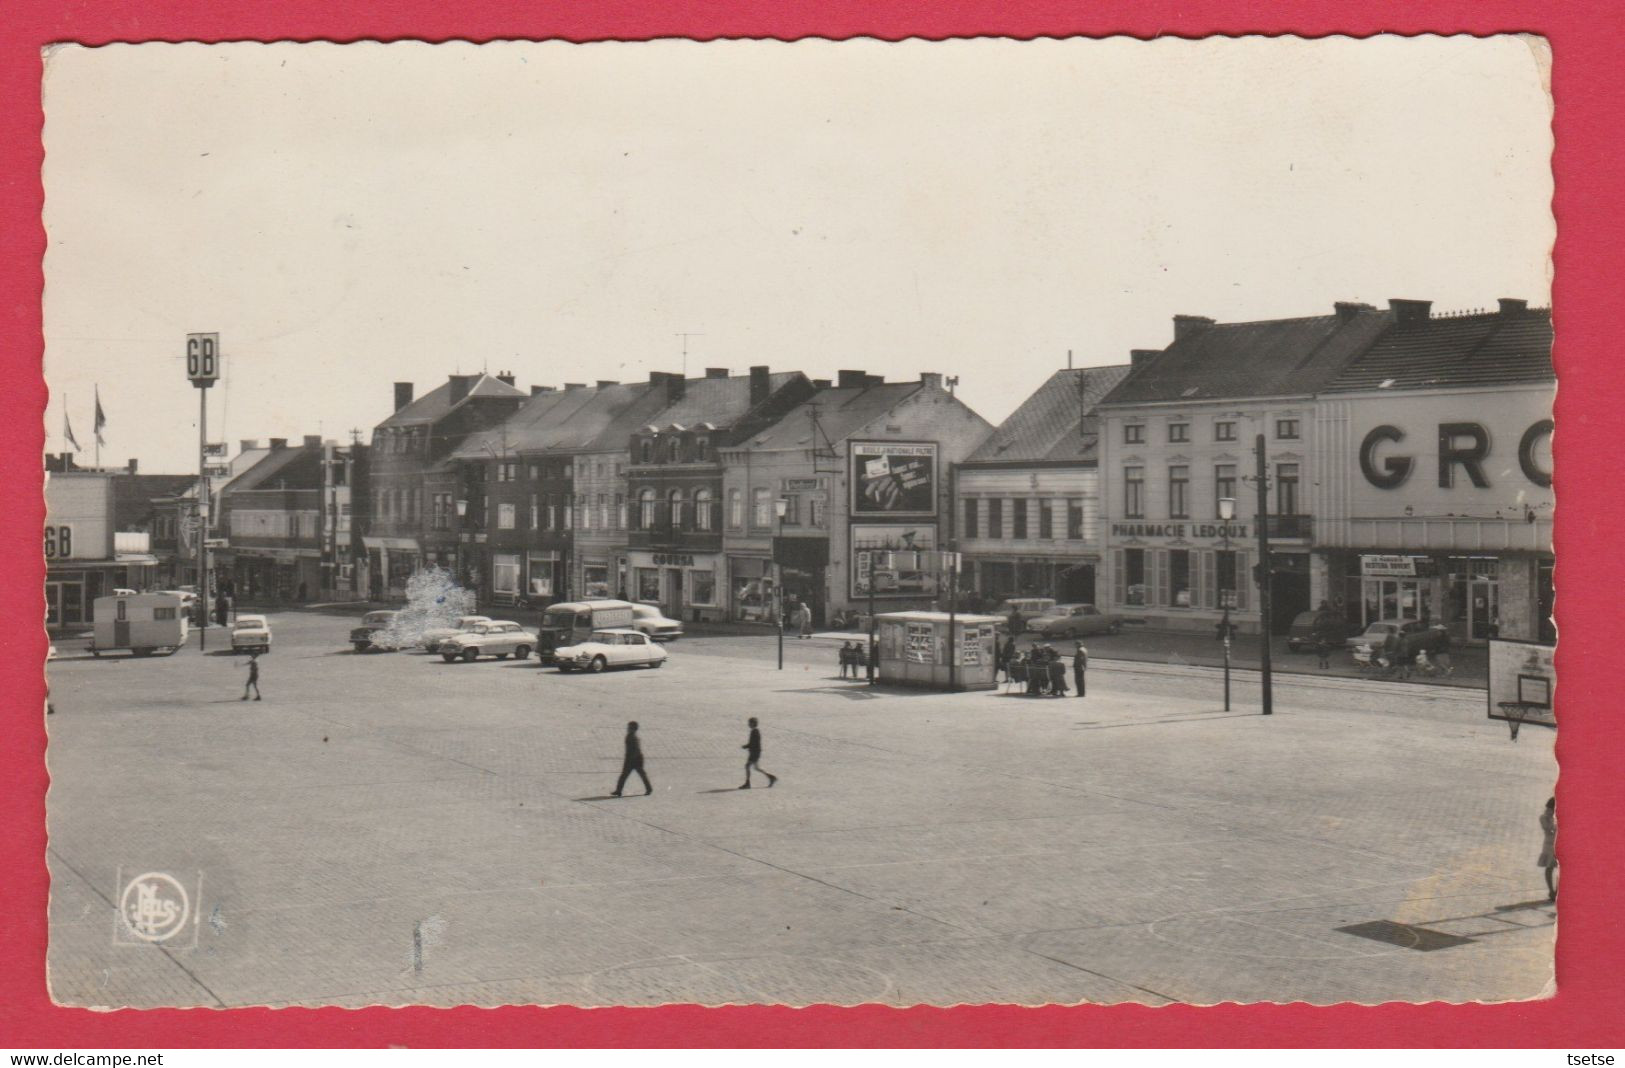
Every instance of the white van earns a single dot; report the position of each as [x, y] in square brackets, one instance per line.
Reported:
[142, 623]
[571, 622]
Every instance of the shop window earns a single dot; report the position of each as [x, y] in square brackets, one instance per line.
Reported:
[595, 580]
[1134, 576]
[648, 580]
[1134, 492]
[1018, 517]
[1179, 432]
[1179, 485]
[971, 508]
[1179, 578]
[1133, 433]
[505, 573]
[702, 588]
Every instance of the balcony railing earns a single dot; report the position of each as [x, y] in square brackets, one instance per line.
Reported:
[1290, 526]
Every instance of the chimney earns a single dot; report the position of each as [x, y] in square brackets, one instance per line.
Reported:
[873, 380]
[1138, 358]
[760, 385]
[1188, 325]
[403, 395]
[1347, 310]
[313, 441]
[716, 372]
[850, 379]
[540, 389]
[279, 443]
[575, 385]
[603, 382]
[931, 379]
[1410, 311]
[460, 385]
[820, 383]
[505, 377]
[248, 444]
[1512, 306]
[132, 465]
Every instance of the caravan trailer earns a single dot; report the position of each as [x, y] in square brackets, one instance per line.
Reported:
[142, 623]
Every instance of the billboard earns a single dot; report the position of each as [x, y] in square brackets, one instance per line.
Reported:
[1522, 682]
[899, 557]
[893, 478]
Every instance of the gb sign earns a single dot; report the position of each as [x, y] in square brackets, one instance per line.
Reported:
[203, 359]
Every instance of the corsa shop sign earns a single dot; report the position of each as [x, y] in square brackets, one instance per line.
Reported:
[1463, 449]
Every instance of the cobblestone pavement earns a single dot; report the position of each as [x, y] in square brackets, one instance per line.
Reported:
[392, 829]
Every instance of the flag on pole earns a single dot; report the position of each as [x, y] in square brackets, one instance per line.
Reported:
[101, 418]
[67, 432]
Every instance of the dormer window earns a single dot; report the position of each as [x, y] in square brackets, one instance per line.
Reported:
[646, 453]
[673, 451]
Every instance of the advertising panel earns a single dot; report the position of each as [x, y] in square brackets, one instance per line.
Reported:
[891, 478]
[900, 557]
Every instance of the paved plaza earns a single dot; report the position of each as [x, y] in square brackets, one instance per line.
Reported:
[391, 829]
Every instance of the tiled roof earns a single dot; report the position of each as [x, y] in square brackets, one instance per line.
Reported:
[840, 412]
[1465, 350]
[1056, 422]
[278, 463]
[719, 401]
[1269, 358]
[436, 404]
[570, 420]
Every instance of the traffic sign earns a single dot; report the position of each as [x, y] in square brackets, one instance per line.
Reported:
[203, 359]
[214, 448]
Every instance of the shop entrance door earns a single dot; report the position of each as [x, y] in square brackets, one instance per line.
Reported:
[53, 604]
[1483, 607]
[673, 607]
[1077, 585]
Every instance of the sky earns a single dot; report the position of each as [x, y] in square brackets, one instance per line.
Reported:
[348, 216]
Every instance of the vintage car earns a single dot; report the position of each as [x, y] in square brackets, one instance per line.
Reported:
[500, 638]
[1072, 621]
[1301, 634]
[251, 634]
[611, 649]
[433, 636]
[1027, 606]
[377, 631]
[1414, 635]
[650, 620]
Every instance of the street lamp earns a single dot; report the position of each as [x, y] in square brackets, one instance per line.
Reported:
[780, 508]
[1227, 512]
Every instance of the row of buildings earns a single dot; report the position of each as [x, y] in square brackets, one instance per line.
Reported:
[1406, 461]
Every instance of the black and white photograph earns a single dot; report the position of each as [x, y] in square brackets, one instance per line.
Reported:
[736, 522]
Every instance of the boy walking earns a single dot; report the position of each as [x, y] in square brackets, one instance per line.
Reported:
[253, 677]
[633, 761]
[753, 753]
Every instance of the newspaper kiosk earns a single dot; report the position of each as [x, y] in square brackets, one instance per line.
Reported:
[914, 649]
[141, 622]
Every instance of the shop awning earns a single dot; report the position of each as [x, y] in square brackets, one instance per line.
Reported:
[136, 559]
[398, 545]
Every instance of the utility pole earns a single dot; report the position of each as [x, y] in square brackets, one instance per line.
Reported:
[1264, 583]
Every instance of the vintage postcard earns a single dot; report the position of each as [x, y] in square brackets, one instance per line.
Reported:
[982, 521]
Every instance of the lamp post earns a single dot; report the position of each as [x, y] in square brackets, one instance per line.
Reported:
[1264, 582]
[780, 507]
[1227, 512]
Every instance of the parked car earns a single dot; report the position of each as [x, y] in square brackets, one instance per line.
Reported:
[652, 621]
[1413, 636]
[251, 634]
[570, 622]
[1027, 606]
[375, 632]
[500, 638]
[1073, 620]
[435, 635]
[188, 597]
[1301, 634]
[610, 648]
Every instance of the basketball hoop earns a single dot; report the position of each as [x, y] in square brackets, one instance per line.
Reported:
[1514, 712]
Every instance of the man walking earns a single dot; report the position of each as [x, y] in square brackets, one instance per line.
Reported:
[633, 761]
[1080, 665]
[253, 677]
[753, 753]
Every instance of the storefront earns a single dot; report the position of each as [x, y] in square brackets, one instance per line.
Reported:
[684, 585]
[1179, 575]
[802, 563]
[1476, 596]
[751, 589]
[391, 562]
